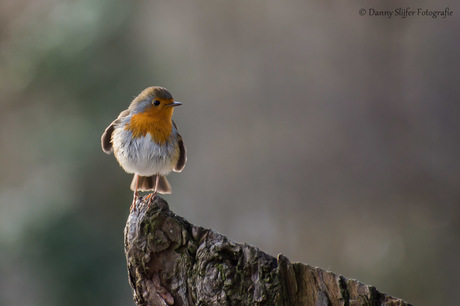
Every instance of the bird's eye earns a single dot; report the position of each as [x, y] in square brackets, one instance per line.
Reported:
[156, 102]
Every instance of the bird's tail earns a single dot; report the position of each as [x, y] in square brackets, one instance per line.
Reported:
[147, 183]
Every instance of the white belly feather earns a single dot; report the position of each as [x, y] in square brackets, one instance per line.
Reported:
[143, 156]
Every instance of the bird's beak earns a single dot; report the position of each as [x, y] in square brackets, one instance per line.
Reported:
[175, 103]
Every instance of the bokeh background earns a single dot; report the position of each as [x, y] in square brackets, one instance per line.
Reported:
[312, 131]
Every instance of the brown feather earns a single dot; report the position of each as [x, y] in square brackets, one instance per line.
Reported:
[182, 152]
[147, 183]
[106, 139]
[182, 156]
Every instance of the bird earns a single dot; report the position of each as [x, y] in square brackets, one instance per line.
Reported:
[146, 142]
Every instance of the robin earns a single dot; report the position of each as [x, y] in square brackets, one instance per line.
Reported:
[146, 142]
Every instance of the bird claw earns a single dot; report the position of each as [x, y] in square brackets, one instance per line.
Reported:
[150, 198]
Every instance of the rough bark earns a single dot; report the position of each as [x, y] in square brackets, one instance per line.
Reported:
[172, 262]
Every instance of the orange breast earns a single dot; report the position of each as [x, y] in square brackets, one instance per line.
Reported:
[159, 128]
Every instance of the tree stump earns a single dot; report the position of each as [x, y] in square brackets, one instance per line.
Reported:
[172, 262]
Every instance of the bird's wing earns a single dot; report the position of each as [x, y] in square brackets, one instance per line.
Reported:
[182, 153]
[106, 139]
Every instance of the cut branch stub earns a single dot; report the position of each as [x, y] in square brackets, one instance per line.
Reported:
[171, 262]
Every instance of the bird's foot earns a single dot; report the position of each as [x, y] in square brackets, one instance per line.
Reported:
[150, 198]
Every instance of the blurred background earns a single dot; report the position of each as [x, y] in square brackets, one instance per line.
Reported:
[312, 131]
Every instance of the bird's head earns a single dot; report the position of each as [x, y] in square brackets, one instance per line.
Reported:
[154, 102]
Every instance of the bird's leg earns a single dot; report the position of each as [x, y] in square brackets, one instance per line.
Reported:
[136, 195]
[152, 195]
[157, 180]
